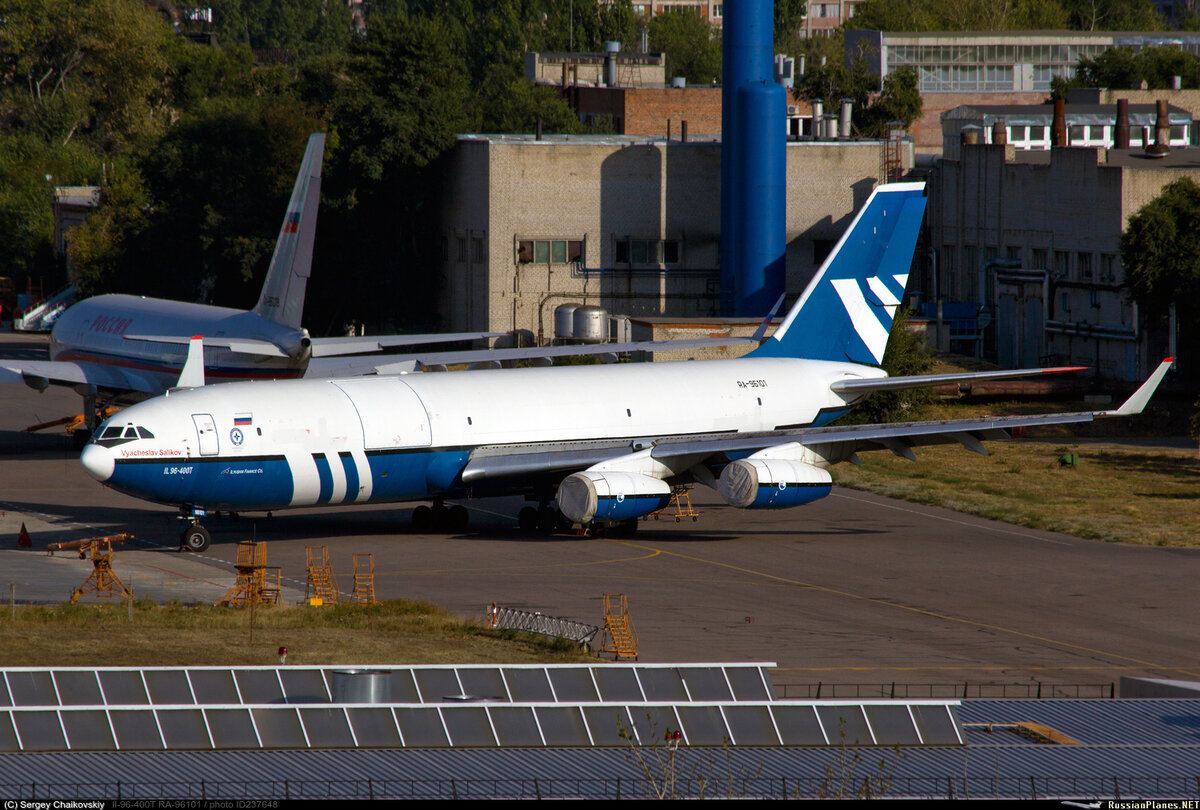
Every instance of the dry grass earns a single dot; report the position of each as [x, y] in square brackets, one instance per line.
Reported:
[1116, 493]
[396, 632]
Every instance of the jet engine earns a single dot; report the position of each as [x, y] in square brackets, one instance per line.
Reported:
[772, 483]
[611, 496]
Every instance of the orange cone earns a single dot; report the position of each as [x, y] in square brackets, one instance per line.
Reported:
[23, 538]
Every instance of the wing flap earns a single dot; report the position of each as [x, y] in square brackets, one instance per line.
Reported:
[59, 372]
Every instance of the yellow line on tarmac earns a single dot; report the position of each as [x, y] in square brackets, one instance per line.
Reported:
[907, 608]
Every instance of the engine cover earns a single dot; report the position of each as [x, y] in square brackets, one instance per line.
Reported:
[772, 483]
[611, 496]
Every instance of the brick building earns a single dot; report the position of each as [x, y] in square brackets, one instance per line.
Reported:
[631, 224]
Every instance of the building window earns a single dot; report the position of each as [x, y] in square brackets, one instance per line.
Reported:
[549, 251]
[1013, 252]
[461, 248]
[1085, 266]
[1108, 268]
[647, 251]
[717, 10]
[1061, 264]
[1079, 134]
[1041, 259]
[477, 249]
[444, 248]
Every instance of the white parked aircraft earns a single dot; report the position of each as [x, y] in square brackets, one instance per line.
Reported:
[114, 345]
[607, 441]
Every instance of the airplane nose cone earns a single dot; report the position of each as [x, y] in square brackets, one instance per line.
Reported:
[98, 461]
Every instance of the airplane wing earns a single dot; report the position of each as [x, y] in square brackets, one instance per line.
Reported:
[39, 374]
[321, 347]
[867, 386]
[333, 347]
[832, 443]
[403, 364]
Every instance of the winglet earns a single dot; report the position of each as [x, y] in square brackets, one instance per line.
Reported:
[192, 375]
[1137, 402]
[761, 331]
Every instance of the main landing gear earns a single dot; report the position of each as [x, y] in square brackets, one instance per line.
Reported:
[545, 519]
[440, 518]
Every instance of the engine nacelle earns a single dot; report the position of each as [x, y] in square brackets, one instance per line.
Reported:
[772, 483]
[589, 496]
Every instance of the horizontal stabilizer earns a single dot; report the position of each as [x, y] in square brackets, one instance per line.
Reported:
[259, 348]
[869, 385]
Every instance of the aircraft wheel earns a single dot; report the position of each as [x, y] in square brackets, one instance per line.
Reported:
[527, 519]
[547, 521]
[196, 538]
[562, 523]
[422, 518]
[457, 518]
[440, 516]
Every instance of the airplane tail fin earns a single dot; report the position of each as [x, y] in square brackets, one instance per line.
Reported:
[847, 310]
[282, 298]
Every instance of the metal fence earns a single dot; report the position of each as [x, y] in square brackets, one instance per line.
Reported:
[813, 691]
[932, 787]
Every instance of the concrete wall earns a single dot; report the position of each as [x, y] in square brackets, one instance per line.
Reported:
[605, 190]
[1063, 212]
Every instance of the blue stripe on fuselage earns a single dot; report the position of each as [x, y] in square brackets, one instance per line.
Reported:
[217, 483]
[351, 469]
[325, 476]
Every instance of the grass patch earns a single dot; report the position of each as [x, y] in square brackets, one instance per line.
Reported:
[1148, 496]
[398, 632]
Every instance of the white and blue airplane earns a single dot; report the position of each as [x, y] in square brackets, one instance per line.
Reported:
[606, 442]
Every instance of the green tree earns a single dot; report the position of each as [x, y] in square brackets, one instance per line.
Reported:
[79, 67]
[692, 46]
[1160, 251]
[905, 355]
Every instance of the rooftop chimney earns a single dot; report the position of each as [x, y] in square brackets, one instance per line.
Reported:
[1162, 132]
[1058, 130]
[1122, 133]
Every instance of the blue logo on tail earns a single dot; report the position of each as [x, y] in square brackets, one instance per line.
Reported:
[848, 308]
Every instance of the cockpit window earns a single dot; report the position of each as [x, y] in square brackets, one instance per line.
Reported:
[114, 435]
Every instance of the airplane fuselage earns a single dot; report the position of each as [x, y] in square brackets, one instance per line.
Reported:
[94, 330]
[295, 443]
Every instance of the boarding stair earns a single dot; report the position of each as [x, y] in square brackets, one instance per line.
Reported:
[619, 637]
[255, 583]
[321, 587]
[364, 579]
[41, 316]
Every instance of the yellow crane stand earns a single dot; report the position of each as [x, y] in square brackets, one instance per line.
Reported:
[681, 500]
[256, 582]
[83, 546]
[619, 637]
[364, 579]
[321, 587]
[102, 581]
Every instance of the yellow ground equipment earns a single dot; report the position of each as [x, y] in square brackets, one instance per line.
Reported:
[681, 500]
[102, 581]
[364, 579]
[85, 545]
[321, 587]
[619, 637]
[72, 423]
[256, 583]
